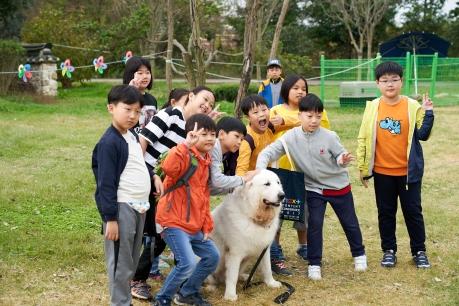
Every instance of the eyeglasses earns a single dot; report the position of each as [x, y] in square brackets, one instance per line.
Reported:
[387, 82]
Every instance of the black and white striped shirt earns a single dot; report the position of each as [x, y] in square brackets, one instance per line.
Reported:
[165, 130]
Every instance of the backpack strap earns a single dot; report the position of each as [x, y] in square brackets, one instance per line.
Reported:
[184, 180]
[251, 142]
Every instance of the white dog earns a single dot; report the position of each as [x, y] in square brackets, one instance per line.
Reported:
[246, 223]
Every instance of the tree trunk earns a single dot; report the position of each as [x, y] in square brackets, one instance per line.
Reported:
[196, 43]
[249, 48]
[188, 63]
[170, 37]
[278, 30]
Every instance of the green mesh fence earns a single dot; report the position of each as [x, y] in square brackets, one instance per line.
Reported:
[351, 81]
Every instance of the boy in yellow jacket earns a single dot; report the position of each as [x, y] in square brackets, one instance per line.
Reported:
[389, 150]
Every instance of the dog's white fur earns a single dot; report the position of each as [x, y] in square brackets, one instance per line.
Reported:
[245, 224]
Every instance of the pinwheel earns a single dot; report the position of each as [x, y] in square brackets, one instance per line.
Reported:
[99, 64]
[127, 56]
[24, 72]
[67, 68]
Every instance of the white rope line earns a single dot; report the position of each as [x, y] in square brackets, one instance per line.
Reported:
[342, 71]
[210, 73]
[79, 48]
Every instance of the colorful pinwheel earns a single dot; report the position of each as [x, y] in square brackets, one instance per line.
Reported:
[127, 56]
[24, 72]
[99, 64]
[67, 68]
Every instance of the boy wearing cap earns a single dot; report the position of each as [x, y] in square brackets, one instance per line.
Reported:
[270, 88]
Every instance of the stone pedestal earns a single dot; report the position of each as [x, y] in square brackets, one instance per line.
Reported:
[43, 65]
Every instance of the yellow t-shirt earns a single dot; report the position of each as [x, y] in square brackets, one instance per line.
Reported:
[247, 159]
[392, 139]
[291, 120]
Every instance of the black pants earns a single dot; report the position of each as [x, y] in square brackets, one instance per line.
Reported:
[344, 209]
[152, 249]
[388, 189]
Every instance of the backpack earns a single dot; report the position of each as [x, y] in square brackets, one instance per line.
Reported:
[183, 180]
[230, 158]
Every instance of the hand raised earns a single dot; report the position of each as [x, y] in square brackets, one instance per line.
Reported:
[346, 158]
[193, 136]
[427, 104]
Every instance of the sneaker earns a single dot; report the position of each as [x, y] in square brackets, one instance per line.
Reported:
[278, 267]
[156, 276]
[141, 290]
[421, 260]
[192, 299]
[303, 252]
[360, 263]
[161, 302]
[314, 273]
[389, 259]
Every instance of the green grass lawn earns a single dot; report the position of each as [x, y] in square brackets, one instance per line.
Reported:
[51, 250]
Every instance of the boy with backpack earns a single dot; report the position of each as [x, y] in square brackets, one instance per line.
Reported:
[183, 215]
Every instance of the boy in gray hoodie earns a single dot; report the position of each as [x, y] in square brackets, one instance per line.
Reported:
[318, 153]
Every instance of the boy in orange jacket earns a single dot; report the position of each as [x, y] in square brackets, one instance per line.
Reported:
[183, 215]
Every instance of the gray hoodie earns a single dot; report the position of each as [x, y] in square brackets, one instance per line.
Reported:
[316, 154]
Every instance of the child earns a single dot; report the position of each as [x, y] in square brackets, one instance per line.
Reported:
[389, 150]
[183, 216]
[284, 117]
[270, 88]
[317, 152]
[138, 74]
[165, 130]
[177, 97]
[230, 133]
[123, 186]
[257, 112]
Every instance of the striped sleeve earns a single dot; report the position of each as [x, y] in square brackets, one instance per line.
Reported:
[163, 132]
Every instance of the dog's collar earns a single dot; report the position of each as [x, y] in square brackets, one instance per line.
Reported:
[261, 223]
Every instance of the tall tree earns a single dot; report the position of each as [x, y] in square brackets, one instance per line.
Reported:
[249, 48]
[425, 15]
[360, 17]
[170, 43]
[196, 42]
[278, 30]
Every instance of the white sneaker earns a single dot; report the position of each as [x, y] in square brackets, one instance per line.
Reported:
[314, 273]
[360, 263]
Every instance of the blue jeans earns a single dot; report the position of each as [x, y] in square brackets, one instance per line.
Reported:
[276, 251]
[187, 270]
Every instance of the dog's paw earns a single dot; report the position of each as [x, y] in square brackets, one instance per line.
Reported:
[274, 284]
[210, 280]
[210, 287]
[230, 297]
[243, 276]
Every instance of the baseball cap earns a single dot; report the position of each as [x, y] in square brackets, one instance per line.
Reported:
[274, 62]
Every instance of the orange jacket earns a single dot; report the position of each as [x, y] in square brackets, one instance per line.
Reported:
[172, 208]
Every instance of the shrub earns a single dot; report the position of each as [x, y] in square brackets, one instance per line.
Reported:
[229, 92]
[12, 54]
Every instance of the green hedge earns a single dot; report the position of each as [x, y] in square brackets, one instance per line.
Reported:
[12, 54]
[228, 92]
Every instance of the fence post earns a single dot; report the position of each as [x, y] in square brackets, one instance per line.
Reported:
[406, 90]
[322, 78]
[434, 75]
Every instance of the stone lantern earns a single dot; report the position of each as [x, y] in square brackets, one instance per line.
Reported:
[43, 65]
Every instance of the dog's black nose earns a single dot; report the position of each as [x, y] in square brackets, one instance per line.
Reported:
[281, 196]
